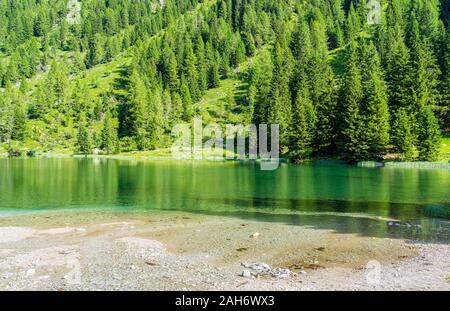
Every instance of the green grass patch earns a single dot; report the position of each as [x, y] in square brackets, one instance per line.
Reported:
[223, 104]
[445, 147]
[148, 153]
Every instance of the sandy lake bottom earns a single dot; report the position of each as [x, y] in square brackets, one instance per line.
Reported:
[164, 250]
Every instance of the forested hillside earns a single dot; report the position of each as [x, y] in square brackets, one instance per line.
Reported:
[117, 77]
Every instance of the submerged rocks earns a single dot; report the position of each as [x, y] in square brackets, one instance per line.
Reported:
[254, 235]
[258, 267]
[281, 273]
[263, 269]
[405, 224]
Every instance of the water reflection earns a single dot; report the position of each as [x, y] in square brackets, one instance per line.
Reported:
[236, 189]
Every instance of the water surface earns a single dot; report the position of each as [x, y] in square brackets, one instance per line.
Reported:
[342, 198]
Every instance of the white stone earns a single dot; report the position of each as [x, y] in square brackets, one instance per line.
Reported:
[246, 273]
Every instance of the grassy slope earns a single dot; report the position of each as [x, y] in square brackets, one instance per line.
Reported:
[100, 79]
[445, 148]
[220, 105]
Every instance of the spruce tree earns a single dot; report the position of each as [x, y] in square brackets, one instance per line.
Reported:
[83, 138]
[109, 134]
[6, 114]
[303, 126]
[187, 100]
[137, 101]
[302, 53]
[190, 72]
[399, 77]
[374, 107]
[172, 72]
[351, 146]
[155, 120]
[402, 135]
[213, 75]
[280, 105]
[429, 135]
[260, 77]
[353, 25]
[20, 121]
[322, 89]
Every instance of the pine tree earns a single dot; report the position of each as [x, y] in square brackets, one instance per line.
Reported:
[249, 43]
[63, 33]
[260, 77]
[280, 105]
[402, 134]
[6, 114]
[322, 89]
[239, 55]
[429, 136]
[213, 76]
[96, 51]
[156, 120]
[302, 52]
[374, 113]
[56, 85]
[444, 86]
[351, 147]
[83, 138]
[399, 77]
[135, 125]
[190, 72]
[187, 100]
[303, 126]
[177, 111]
[20, 121]
[172, 72]
[353, 25]
[201, 63]
[426, 71]
[109, 134]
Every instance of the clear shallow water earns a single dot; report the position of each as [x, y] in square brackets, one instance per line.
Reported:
[342, 198]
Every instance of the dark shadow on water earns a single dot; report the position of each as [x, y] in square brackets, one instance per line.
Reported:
[371, 219]
[385, 209]
[426, 230]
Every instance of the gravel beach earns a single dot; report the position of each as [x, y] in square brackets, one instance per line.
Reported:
[184, 251]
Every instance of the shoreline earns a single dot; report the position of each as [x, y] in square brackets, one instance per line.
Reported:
[169, 250]
[439, 165]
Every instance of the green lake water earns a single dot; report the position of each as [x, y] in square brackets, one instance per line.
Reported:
[336, 197]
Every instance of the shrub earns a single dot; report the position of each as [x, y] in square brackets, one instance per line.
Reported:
[128, 144]
[438, 211]
[15, 152]
[31, 153]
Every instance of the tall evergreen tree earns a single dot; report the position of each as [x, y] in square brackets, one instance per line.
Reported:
[135, 123]
[350, 145]
[280, 105]
[429, 135]
[374, 107]
[84, 143]
[322, 89]
[399, 77]
[402, 135]
[109, 134]
[303, 126]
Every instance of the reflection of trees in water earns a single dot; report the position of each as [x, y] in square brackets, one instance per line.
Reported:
[236, 189]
